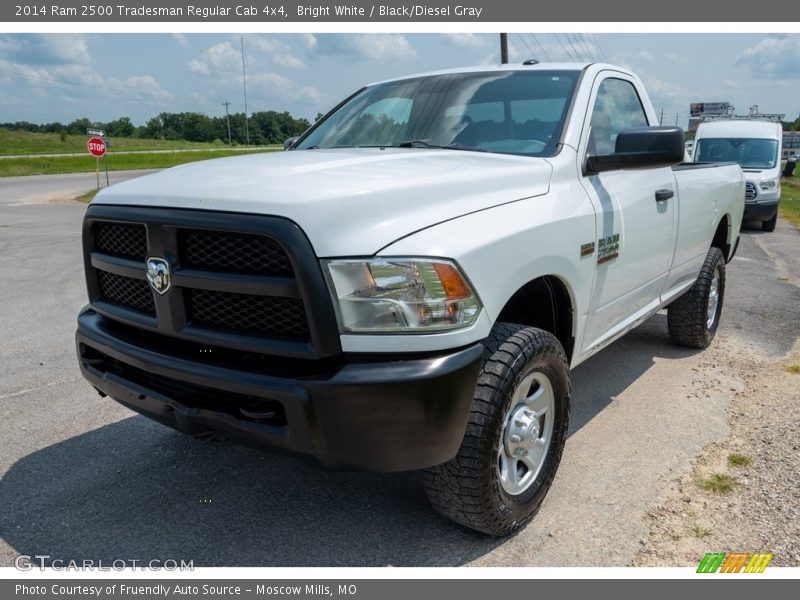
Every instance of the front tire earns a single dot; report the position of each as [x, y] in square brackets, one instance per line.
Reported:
[769, 226]
[515, 435]
[693, 318]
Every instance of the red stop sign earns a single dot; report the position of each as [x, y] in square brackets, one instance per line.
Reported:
[96, 146]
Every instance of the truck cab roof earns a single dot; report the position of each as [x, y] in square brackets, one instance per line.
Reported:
[740, 128]
[542, 66]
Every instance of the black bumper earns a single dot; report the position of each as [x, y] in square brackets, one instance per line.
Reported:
[365, 414]
[756, 211]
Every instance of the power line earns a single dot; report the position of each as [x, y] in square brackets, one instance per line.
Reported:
[599, 45]
[590, 50]
[575, 46]
[545, 53]
[564, 47]
[521, 39]
[586, 51]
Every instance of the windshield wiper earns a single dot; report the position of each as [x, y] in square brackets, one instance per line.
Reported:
[424, 144]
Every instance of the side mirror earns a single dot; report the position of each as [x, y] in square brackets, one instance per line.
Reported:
[641, 147]
[287, 144]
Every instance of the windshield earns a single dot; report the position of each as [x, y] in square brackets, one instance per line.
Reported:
[749, 153]
[513, 112]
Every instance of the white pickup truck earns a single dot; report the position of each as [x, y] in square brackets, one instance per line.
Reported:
[409, 285]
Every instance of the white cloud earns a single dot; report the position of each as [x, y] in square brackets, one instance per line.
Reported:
[310, 93]
[200, 67]
[219, 59]
[672, 57]
[775, 57]
[10, 44]
[391, 47]
[644, 55]
[61, 80]
[658, 88]
[465, 40]
[308, 40]
[277, 52]
[181, 38]
[49, 49]
[269, 81]
[144, 87]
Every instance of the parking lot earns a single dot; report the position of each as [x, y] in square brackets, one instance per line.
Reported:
[83, 477]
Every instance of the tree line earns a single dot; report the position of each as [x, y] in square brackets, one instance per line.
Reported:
[267, 127]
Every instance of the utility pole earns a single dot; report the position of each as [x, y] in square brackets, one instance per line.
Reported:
[676, 119]
[226, 104]
[244, 83]
[504, 48]
[661, 118]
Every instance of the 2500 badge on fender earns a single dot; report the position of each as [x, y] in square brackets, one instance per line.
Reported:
[409, 285]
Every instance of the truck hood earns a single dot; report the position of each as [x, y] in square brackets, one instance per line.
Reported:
[348, 201]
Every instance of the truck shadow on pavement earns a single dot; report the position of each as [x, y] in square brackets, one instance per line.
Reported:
[137, 490]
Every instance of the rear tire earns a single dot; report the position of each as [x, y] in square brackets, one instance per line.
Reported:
[515, 434]
[769, 226]
[693, 318]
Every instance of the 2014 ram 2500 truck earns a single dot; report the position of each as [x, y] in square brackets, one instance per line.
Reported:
[409, 285]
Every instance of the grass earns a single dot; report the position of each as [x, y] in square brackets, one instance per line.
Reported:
[87, 197]
[123, 162]
[719, 483]
[700, 532]
[790, 200]
[13, 141]
[793, 369]
[739, 460]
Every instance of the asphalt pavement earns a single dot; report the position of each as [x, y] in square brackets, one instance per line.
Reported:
[58, 188]
[83, 477]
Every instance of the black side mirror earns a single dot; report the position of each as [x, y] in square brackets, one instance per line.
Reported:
[641, 147]
[287, 144]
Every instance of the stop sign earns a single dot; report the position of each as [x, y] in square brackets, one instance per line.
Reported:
[96, 146]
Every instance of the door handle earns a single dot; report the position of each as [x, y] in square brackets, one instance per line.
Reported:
[663, 195]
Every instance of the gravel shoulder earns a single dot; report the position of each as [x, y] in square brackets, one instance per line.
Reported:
[753, 504]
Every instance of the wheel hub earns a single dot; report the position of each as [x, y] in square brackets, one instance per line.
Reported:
[521, 433]
[527, 430]
[713, 301]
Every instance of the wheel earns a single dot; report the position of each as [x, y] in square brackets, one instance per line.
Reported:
[770, 225]
[515, 435]
[693, 318]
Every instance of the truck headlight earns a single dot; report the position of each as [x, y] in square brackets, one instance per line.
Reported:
[391, 295]
[768, 184]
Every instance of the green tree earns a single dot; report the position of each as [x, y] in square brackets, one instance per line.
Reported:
[198, 127]
[121, 127]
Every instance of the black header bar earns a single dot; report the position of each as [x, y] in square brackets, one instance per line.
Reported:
[391, 11]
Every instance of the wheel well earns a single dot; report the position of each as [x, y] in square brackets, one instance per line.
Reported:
[543, 303]
[720, 239]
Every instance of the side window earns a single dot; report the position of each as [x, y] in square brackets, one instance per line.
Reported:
[616, 107]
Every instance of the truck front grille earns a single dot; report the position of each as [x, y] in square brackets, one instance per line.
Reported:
[239, 253]
[750, 190]
[233, 279]
[284, 317]
[122, 240]
[126, 291]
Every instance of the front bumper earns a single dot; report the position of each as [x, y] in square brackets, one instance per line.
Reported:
[364, 413]
[760, 211]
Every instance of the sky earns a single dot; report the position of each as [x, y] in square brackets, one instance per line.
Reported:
[61, 77]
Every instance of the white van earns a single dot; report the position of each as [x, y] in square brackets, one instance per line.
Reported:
[756, 146]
